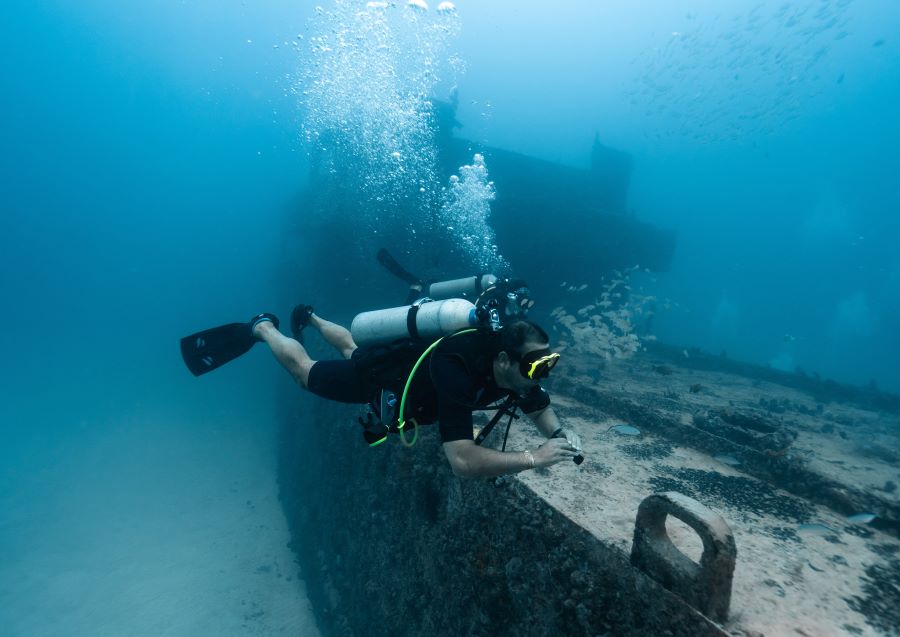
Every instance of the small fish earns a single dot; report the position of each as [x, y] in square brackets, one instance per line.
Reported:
[878, 43]
[789, 339]
[862, 518]
[815, 528]
[685, 352]
[563, 284]
[727, 459]
[625, 430]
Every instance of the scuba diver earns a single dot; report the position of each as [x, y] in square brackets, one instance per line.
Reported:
[431, 361]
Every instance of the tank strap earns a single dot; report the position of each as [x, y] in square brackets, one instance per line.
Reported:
[411, 326]
[411, 322]
[479, 283]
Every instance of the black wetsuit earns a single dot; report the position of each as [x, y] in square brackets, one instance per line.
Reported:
[454, 380]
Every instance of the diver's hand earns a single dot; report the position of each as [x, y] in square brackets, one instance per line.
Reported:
[553, 451]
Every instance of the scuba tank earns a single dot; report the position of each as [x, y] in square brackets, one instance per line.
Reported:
[509, 298]
[469, 287]
[426, 320]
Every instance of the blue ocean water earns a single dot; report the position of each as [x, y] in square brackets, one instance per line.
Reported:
[153, 154]
[761, 132]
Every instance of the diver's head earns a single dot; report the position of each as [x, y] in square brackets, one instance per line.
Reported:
[523, 356]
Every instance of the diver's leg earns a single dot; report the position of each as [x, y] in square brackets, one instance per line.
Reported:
[337, 336]
[291, 354]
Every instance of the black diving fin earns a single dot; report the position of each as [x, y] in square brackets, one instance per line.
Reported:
[210, 349]
[391, 265]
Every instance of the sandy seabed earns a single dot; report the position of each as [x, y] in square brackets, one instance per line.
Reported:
[148, 527]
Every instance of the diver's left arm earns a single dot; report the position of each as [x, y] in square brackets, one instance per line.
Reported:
[548, 423]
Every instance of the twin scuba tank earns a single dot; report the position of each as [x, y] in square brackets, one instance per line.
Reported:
[470, 287]
[426, 321]
[429, 319]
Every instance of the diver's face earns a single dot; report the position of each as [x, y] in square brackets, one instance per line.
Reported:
[507, 372]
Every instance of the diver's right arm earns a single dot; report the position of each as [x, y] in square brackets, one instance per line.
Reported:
[469, 460]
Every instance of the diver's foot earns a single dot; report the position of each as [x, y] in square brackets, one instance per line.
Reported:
[299, 319]
[262, 322]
